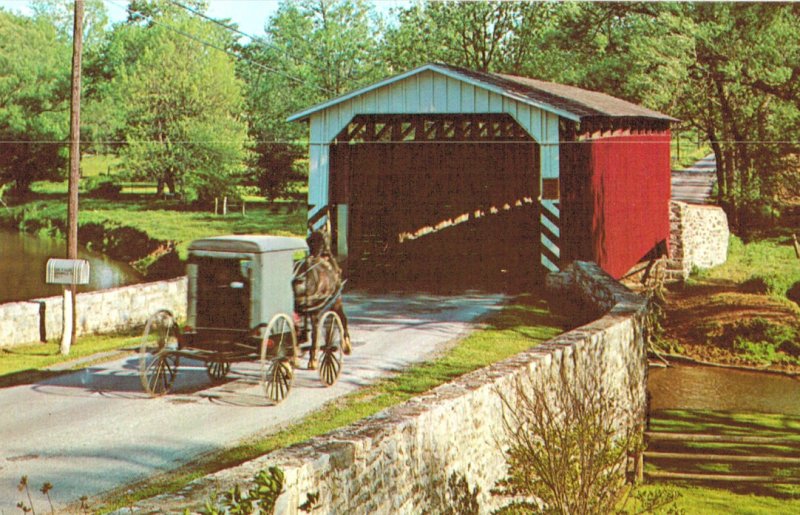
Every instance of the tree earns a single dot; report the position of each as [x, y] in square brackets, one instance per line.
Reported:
[569, 436]
[314, 50]
[485, 36]
[60, 14]
[182, 105]
[742, 94]
[34, 89]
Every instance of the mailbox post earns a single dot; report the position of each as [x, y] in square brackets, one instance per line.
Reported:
[67, 272]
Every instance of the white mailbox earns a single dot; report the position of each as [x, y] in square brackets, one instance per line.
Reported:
[67, 271]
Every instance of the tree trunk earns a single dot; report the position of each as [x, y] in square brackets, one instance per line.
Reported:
[722, 185]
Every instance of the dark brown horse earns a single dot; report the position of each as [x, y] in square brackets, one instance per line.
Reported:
[317, 283]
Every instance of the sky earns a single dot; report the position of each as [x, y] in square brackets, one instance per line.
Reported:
[250, 15]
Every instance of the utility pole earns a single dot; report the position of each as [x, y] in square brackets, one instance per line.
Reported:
[70, 329]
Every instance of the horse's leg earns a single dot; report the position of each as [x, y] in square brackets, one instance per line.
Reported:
[312, 354]
[338, 307]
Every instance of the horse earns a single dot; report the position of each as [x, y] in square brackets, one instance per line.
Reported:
[318, 281]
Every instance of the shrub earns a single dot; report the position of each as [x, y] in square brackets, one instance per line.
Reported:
[759, 339]
[569, 443]
[260, 498]
[756, 284]
[103, 186]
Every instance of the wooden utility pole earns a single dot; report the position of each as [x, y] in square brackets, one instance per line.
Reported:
[70, 329]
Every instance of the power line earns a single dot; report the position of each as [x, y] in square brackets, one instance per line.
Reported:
[215, 21]
[231, 28]
[382, 142]
[220, 49]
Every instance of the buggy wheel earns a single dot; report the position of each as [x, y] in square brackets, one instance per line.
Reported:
[218, 370]
[331, 334]
[278, 349]
[158, 361]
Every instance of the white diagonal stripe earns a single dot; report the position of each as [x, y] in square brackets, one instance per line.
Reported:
[552, 207]
[552, 247]
[553, 228]
[549, 264]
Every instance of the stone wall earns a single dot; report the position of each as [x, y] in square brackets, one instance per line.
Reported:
[98, 312]
[399, 460]
[698, 238]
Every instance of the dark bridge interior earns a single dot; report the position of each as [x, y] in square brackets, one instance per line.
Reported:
[438, 201]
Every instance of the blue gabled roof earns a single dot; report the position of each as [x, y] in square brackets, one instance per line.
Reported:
[565, 101]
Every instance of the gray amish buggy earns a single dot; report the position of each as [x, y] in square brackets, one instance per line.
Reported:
[242, 306]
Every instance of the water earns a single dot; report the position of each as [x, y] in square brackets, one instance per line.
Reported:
[690, 387]
[23, 260]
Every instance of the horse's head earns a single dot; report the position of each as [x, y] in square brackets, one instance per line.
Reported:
[319, 243]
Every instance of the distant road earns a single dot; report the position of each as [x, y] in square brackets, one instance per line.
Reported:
[694, 184]
[95, 430]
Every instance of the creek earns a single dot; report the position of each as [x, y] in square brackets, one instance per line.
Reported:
[23, 260]
[723, 389]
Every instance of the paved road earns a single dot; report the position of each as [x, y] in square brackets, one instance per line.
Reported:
[693, 185]
[94, 430]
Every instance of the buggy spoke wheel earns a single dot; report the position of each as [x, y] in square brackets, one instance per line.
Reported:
[278, 349]
[331, 334]
[158, 361]
[278, 381]
[218, 370]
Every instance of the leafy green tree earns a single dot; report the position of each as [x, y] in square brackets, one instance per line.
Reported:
[485, 36]
[181, 103]
[61, 14]
[313, 50]
[34, 92]
[742, 94]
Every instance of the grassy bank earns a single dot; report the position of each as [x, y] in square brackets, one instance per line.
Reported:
[160, 220]
[137, 226]
[134, 227]
[739, 313]
[517, 327]
[28, 363]
[691, 150]
[768, 266]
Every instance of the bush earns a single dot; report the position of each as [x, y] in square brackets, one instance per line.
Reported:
[569, 439]
[260, 498]
[757, 284]
[793, 293]
[756, 330]
[103, 186]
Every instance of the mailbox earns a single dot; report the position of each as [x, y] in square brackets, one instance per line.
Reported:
[67, 271]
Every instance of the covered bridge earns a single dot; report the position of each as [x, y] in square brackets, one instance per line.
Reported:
[443, 170]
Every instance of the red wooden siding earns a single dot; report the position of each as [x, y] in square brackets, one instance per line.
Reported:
[630, 189]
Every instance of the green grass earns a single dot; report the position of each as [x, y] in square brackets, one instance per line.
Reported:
[93, 165]
[727, 423]
[26, 363]
[160, 220]
[185, 226]
[516, 328]
[772, 260]
[690, 152]
[712, 501]
[747, 497]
